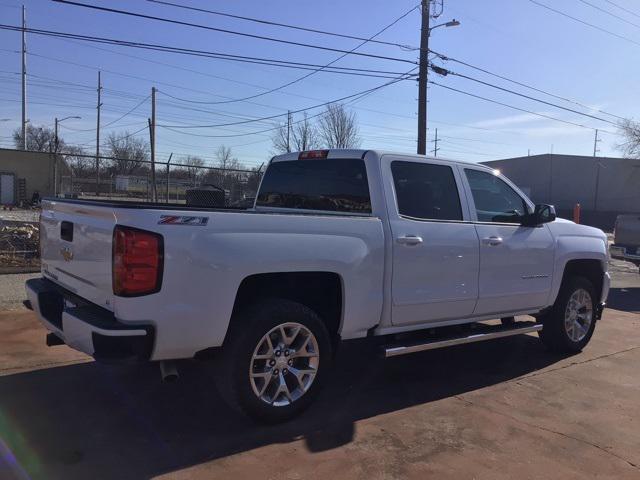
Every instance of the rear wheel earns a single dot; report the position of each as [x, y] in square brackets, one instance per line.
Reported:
[275, 360]
[569, 325]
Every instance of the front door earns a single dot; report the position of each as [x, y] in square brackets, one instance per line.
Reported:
[435, 251]
[516, 262]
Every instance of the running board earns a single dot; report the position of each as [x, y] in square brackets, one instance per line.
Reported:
[498, 331]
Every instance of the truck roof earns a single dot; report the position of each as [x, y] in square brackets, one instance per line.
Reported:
[359, 153]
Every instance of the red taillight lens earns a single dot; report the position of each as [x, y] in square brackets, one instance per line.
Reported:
[313, 154]
[137, 262]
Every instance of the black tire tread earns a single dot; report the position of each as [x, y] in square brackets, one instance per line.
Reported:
[553, 334]
[255, 321]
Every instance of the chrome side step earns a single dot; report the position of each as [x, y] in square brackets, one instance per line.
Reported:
[491, 333]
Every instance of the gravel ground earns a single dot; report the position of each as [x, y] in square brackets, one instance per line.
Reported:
[20, 215]
[12, 290]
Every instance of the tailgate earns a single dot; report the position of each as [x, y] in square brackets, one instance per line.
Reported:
[76, 243]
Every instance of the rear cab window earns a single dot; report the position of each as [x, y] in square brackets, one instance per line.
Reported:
[326, 184]
[426, 191]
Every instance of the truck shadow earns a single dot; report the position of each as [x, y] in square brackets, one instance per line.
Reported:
[93, 421]
[625, 299]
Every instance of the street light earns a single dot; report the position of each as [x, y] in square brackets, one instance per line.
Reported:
[422, 76]
[55, 158]
[452, 23]
[55, 140]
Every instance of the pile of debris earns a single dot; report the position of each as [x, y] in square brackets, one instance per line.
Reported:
[19, 245]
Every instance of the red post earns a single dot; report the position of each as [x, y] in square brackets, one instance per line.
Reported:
[576, 213]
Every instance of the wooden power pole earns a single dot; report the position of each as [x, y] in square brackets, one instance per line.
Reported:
[422, 78]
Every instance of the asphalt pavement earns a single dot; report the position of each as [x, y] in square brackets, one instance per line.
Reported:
[494, 410]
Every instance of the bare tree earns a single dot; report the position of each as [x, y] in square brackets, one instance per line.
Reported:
[225, 159]
[129, 152]
[194, 169]
[631, 132]
[279, 140]
[79, 165]
[305, 135]
[338, 128]
[39, 139]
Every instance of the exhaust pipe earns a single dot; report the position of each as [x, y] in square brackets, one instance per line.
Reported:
[168, 372]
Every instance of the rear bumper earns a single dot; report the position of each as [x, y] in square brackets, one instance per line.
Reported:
[87, 327]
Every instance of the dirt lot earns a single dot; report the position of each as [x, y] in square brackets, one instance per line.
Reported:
[501, 409]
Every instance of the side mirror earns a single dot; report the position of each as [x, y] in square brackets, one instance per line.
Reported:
[542, 214]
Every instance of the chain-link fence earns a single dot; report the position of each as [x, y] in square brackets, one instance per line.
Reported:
[133, 180]
[19, 246]
[84, 177]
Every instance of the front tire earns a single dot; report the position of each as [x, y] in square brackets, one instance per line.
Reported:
[274, 360]
[568, 327]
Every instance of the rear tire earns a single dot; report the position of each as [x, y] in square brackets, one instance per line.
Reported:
[568, 327]
[274, 360]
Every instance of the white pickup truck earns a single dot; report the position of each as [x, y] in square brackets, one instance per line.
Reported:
[340, 244]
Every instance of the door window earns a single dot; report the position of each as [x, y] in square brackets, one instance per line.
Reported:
[426, 191]
[495, 200]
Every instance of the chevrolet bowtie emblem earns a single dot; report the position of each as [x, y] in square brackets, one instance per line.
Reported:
[67, 254]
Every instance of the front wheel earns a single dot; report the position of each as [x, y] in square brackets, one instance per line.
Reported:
[569, 325]
[275, 360]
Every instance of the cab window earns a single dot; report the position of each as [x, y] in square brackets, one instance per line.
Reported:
[495, 200]
[426, 191]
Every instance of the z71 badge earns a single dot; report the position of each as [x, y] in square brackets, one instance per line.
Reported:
[182, 220]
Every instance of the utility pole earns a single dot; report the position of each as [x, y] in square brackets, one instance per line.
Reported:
[435, 145]
[168, 163]
[598, 165]
[55, 157]
[422, 77]
[98, 136]
[288, 131]
[24, 79]
[152, 129]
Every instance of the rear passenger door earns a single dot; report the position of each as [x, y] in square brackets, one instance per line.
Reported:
[434, 247]
[516, 261]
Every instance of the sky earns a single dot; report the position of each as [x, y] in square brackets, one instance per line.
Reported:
[517, 39]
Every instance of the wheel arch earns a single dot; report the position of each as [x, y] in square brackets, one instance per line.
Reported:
[321, 291]
[590, 268]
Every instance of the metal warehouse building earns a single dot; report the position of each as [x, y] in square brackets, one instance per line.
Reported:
[603, 186]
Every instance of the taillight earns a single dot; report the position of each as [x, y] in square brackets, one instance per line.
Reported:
[137, 261]
[313, 154]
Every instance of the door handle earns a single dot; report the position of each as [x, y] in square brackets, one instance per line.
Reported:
[492, 241]
[409, 240]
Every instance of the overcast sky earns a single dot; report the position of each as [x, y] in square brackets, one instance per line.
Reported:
[516, 39]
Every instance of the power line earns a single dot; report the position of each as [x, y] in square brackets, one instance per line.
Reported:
[449, 72]
[622, 8]
[353, 99]
[288, 84]
[183, 87]
[232, 32]
[127, 113]
[512, 107]
[271, 117]
[203, 53]
[522, 84]
[609, 13]
[277, 24]
[609, 32]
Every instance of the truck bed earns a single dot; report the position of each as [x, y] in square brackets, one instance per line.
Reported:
[207, 254]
